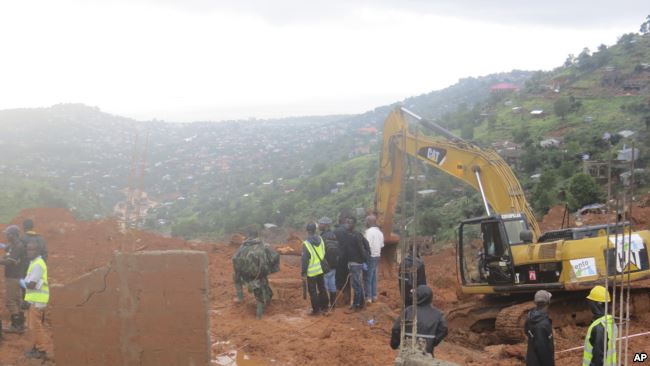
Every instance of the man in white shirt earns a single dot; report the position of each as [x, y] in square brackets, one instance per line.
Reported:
[376, 241]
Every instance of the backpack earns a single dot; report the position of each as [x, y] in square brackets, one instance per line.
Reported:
[332, 250]
[256, 261]
[272, 260]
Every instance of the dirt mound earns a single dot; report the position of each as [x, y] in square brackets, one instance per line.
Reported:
[237, 239]
[76, 247]
[640, 218]
[645, 201]
[286, 335]
[556, 218]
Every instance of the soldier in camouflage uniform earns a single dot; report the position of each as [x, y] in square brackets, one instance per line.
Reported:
[252, 263]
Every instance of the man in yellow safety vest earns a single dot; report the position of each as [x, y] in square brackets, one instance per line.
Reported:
[595, 353]
[313, 260]
[37, 295]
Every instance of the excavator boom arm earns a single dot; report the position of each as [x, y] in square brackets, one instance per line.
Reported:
[482, 169]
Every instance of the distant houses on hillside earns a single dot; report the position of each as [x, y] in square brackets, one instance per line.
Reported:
[504, 88]
[538, 113]
[550, 142]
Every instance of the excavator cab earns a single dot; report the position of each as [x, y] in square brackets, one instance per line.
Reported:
[484, 249]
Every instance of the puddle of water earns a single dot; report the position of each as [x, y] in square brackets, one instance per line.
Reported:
[235, 358]
[245, 360]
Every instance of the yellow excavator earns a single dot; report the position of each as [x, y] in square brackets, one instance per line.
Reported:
[504, 252]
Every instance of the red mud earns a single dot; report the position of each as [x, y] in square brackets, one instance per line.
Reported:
[286, 335]
[640, 217]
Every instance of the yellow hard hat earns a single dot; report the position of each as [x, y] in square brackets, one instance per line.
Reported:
[599, 294]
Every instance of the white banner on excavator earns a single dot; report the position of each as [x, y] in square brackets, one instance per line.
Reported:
[584, 267]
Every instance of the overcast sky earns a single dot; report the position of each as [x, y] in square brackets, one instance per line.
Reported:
[186, 60]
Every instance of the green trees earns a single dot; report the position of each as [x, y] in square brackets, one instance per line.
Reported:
[467, 132]
[583, 190]
[544, 195]
[562, 106]
[570, 60]
[645, 26]
[585, 61]
[188, 228]
[521, 134]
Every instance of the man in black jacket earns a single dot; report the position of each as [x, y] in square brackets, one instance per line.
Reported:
[357, 253]
[332, 254]
[342, 271]
[431, 322]
[539, 330]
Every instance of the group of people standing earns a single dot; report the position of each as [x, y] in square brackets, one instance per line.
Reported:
[352, 261]
[26, 284]
[341, 263]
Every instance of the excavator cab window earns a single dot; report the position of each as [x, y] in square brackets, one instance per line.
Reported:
[513, 230]
[496, 261]
[494, 245]
[485, 253]
[471, 251]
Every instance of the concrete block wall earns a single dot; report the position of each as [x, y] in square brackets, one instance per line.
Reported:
[146, 309]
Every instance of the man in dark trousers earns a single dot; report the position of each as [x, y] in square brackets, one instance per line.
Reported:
[342, 272]
[357, 253]
[15, 262]
[332, 254]
[313, 252]
[539, 330]
[252, 263]
[431, 323]
[412, 279]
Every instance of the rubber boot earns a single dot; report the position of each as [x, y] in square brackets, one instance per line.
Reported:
[260, 310]
[35, 353]
[240, 293]
[17, 323]
[20, 322]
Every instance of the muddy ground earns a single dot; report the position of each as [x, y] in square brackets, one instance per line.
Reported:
[287, 335]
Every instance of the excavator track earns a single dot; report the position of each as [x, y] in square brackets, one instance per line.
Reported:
[509, 324]
[565, 309]
[505, 317]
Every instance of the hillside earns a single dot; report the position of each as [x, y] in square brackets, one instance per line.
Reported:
[593, 107]
[205, 179]
[588, 111]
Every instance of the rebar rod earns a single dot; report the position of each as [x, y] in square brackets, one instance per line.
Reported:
[628, 285]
